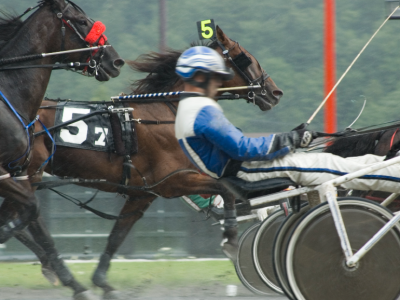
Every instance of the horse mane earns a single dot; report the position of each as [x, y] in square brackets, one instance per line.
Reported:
[353, 146]
[10, 23]
[161, 69]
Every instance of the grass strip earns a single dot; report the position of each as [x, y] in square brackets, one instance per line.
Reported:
[123, 275]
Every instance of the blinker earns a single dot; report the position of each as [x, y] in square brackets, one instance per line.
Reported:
[96, 33]
[242, 61]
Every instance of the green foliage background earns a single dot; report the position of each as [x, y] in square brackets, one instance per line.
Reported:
[285, 36]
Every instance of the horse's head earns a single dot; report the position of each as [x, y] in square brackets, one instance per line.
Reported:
[74, 29]
[248, 72]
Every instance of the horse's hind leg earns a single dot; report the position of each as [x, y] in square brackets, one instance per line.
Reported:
[118, 234]
[43, 238]
[25, 238]
[19, 206]
[230, 236]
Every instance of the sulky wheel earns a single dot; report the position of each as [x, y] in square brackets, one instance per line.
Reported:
[245, 266]
[280, 245]
[262, 249]
[315, 262]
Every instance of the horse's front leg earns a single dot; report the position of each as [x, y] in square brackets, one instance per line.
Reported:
[43, 238]
[18, 208]
[47, 270]
[134, 209]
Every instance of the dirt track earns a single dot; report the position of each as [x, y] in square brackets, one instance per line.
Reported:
[196, 293]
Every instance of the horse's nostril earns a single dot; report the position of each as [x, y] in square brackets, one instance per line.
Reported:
[118, 63]
[277, 93]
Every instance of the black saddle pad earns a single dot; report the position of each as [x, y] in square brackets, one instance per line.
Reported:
[100, 132]
[251, 189]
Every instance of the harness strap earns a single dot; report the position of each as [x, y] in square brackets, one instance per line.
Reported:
[171, 107]
[95, 211]
[26, 127]
[5, 176]
[152, 122]
[53, 147]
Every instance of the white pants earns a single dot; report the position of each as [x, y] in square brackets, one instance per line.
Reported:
[310, 169]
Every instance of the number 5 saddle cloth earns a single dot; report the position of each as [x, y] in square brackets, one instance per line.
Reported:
[107, 132]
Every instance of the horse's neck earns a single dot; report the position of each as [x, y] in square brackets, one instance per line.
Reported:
[25, 88]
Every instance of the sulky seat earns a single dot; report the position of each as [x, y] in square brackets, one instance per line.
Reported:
[250, 189]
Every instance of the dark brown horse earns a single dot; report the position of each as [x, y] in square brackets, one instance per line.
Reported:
[159, 153]
[55, 25]
[381, 142]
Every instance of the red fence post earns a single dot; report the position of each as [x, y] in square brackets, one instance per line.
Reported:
[329, 66]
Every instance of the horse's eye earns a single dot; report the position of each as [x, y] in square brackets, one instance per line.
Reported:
[83, 23]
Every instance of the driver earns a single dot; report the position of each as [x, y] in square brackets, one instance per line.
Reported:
[218, 148]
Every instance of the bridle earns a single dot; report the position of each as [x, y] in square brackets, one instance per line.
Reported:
[241, 62]
[95, 34]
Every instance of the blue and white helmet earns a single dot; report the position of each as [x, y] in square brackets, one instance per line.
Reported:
[203, 59]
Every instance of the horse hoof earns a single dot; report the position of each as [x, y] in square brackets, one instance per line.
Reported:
[231, 251]
[86, 295]
[111, 295]
[51, 276]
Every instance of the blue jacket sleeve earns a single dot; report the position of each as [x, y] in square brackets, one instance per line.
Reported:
[213, 125]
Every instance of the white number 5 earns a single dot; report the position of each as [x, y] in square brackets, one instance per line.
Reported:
[80, 137]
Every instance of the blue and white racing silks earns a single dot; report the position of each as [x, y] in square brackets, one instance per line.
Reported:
[211, 141]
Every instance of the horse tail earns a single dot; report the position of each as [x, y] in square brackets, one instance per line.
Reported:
[354, 145]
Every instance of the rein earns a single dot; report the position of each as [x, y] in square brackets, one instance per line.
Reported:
[57, 66]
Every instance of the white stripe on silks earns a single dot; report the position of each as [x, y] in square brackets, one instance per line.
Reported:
[270, 144]
[5, 176]
[311, 169]
[197, 159]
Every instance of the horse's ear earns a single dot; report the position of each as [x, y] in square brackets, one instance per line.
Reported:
[221, 36]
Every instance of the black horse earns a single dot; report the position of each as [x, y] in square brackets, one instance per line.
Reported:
[55, 25]
[382, 143]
